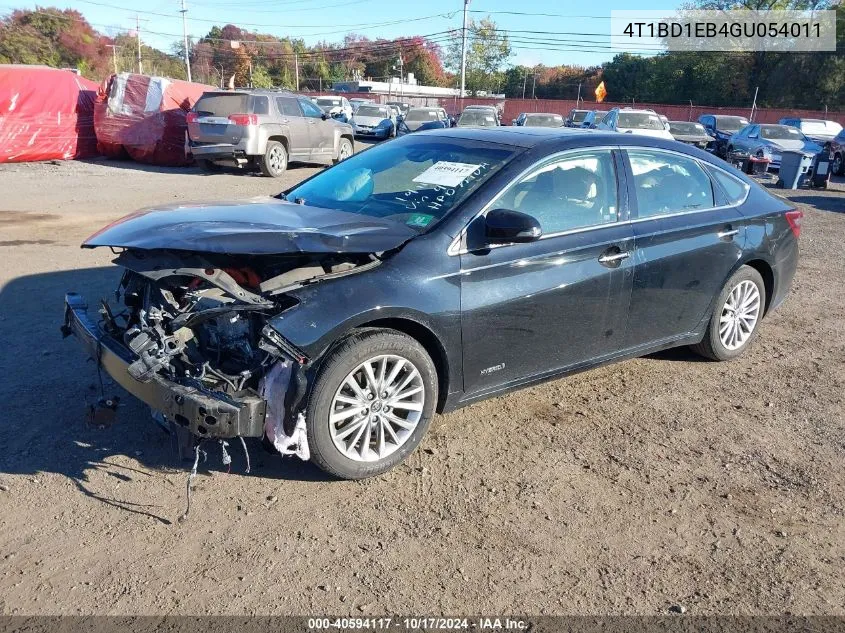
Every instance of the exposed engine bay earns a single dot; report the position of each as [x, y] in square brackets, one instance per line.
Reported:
[199, 320]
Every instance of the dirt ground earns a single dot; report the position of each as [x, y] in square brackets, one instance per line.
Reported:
[627, 490]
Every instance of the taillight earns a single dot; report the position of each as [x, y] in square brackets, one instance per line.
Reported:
[191, 117]
[794, 218]
[244, 119]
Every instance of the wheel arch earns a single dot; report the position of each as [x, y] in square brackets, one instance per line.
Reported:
[281, 138]
[417, 331]
[425, 337]
[768, 274]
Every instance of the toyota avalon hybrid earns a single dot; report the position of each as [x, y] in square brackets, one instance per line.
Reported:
[427, 273]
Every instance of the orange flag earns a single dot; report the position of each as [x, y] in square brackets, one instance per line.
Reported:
[601, 92]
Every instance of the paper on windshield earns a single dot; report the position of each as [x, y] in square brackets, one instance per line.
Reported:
[446, 174]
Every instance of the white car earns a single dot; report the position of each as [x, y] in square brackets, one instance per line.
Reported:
[334, 106]
[631, 121]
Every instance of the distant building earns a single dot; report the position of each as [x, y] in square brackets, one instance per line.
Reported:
[396, 88]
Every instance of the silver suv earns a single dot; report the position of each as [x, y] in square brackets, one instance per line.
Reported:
[264, 128]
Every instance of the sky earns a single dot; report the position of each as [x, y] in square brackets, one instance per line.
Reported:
[542, 32]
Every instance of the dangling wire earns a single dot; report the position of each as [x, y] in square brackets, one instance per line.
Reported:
[191, 476]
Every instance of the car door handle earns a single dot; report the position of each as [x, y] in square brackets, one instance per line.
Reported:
[612, 258]
[727, 233]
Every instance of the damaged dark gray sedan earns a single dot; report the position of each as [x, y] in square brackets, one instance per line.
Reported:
[427, 273]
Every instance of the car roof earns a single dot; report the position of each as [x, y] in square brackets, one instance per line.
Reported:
[690, 122]
[558, 139]
[636, 110]
[548, 113]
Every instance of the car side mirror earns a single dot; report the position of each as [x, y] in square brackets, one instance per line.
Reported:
[504, 226]
[324, 116]
[752, 136]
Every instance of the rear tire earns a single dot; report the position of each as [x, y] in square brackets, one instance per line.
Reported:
[736, 317]
[274, 162]
[336, 445]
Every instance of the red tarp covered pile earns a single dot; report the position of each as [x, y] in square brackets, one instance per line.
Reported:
[45, 114]
[144, 117]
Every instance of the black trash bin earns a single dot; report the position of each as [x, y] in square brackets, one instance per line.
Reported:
[821, 169]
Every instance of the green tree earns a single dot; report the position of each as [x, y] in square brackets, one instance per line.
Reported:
[488, 49]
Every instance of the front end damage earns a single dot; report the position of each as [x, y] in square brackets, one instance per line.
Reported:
[189, 336]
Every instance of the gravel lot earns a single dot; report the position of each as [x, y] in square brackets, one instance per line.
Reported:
[629, 489]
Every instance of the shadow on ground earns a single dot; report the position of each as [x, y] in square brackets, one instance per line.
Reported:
[48, 384]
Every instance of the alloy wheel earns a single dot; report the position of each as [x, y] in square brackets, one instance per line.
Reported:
[276, 159]
[377, 408]
[739, 315]
[344, 152]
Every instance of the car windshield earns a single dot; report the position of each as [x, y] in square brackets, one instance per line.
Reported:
[730, 123]
[374, 111]
[828, 128]
[543, 120]
[414, 180]
[221, 104]
[578, 115]
[639, 121]
[682, 127]
[478, 118]
[421, 115]
[781, 132]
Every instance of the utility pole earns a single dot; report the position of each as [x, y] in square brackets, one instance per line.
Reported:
[221, 76]
[524, 80]
[296, 67]
[138, 34]
[114, 48]
[184, 12]
[464, 50]
[534, 84]
[754, 104]
[578, 99]
[401, 72]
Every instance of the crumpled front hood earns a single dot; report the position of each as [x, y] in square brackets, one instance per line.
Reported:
[258, 226]
[693, 138]
[786, 143]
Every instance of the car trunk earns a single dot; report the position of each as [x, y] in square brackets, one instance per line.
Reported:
[213, 124]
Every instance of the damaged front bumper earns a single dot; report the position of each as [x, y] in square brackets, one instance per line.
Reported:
[205, 413]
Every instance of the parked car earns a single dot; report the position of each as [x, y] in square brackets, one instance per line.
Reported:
[632, 121]
[264, 129]
[520, 119]
[837, 150]
[426, 125]
[488, 108]
[664, 119]
[817, 130]
[334, 106]
[403, 106]
[543, 119]
[690, 132]
[374, 121]
[358, 102]
[476, 118]
[415, 117]
[428, 273]
[721, 127]
[768, 141]
[575, 117]
[593, 118]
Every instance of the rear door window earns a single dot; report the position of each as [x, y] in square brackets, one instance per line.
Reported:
[221, 104]
[735, 190]
[288, 106]
[669, 183]
[260, 105]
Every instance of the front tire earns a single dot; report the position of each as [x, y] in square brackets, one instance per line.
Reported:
[371, 404]
[274, 162]
[344, 150]
[838, 167]
[736, 318]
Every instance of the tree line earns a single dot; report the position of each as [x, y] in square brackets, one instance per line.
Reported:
[63, 38]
